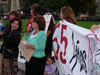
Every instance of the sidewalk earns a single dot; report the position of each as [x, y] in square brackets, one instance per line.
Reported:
[21, 67]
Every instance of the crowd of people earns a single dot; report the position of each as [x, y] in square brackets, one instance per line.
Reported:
[41, 43]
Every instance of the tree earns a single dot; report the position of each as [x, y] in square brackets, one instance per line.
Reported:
[83, 6]
[53, 4]
[9, 5]
[25, 5]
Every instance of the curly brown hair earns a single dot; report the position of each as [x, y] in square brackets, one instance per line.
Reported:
[14, 13]
[33, 7]
[68, 13]
[40, 21]
[15, 19]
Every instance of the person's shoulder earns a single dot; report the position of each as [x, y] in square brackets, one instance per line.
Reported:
[52, 65]
[16, 32]
[69, 20]
[42, 32]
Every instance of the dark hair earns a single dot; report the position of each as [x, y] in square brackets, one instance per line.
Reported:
[40, 21]
[33, 7]
[15, 19]
[40, 10]
[48, 56]
[14, 13]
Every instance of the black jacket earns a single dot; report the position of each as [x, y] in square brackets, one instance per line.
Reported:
[9, 49]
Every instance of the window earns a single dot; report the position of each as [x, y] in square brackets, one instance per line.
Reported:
[4, 0]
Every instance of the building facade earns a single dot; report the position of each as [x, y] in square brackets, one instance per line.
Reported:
[15, 5]
[3, 6]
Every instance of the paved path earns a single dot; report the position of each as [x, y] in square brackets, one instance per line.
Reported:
[20, 73]
[21, 67]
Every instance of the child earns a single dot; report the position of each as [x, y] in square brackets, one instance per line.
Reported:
[49, 67]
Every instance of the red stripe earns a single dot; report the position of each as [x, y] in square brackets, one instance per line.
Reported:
[12, 66]
[90, 51]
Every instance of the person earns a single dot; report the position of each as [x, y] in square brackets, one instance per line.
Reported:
[32, 7]
[41, 11]
[12, 15]
[93, 28]
[5, 17]
[49, 67]
[36, 40]
[9, 49]
[67, 14]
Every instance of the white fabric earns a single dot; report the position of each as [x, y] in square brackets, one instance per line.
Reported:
[32, 36]
[47, 20]
[48, 13]
[76, 50]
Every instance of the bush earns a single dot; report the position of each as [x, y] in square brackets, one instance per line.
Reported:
[94, 18]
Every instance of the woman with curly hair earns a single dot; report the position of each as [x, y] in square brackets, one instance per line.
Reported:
[12, 15]
[32, 7]
[9, 49]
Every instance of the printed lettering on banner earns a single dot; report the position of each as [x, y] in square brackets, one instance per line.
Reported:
[76, 50]
[47, 19]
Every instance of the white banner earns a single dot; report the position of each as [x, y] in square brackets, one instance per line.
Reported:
[76, 50]
[47, 19]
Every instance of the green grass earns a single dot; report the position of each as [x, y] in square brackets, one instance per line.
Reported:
[85, 24]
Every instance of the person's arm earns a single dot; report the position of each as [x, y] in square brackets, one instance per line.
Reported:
[28, 46]
[41, 42]
[50, 27]
[40, 45]
[45, 74]
[27, 35]
[14, 38]
[93, 28]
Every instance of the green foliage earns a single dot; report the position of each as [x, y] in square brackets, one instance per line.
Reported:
[94, 18]
[9, 5]
[53, 4]
[83, 6]
[25, 5]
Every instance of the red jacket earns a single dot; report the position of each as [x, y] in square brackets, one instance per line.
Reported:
[29, 22]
